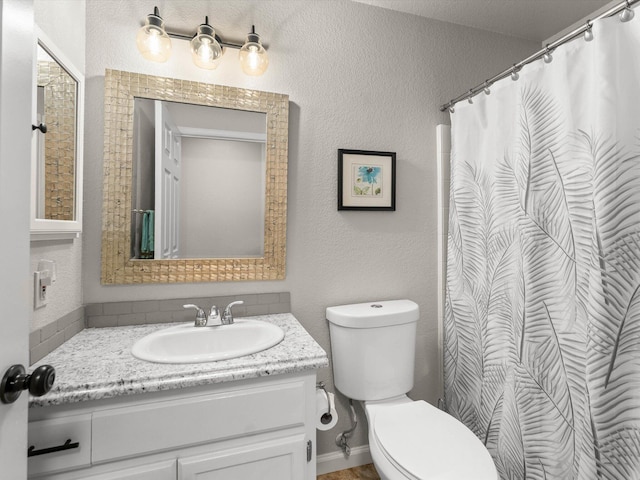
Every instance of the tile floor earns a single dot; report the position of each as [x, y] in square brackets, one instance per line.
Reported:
[364, 472]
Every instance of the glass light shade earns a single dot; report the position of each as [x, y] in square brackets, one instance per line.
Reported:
[152, 40]
[205, 49]
[253, 57]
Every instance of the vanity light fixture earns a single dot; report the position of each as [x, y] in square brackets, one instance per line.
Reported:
[154, 42]
[205, 49]
[152, 39]
[253, 57]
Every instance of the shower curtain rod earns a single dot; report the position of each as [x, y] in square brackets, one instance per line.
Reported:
[550, 46]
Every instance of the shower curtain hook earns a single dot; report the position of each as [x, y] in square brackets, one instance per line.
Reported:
[547, 57]
[588, 34]
[628, 13]
[470, 97]
[514, 72]
[487, 91]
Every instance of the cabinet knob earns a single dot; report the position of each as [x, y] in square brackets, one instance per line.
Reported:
[17, 379]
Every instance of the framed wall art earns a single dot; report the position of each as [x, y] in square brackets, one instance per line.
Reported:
[366, 180]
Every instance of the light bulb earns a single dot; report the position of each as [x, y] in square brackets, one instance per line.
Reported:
[152, 40]
[205, 49]
[253, 57]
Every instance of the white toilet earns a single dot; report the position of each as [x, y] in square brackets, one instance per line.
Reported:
[373, 348]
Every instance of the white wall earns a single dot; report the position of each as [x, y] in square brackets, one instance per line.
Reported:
[63, 21]
[221, 198]
[358, 77]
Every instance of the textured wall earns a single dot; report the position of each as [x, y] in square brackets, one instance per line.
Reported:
[63, 21]
[358, 77]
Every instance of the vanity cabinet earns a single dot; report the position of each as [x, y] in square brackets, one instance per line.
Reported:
[258, 429]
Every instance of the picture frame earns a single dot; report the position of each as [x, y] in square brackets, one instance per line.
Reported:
[366, 180]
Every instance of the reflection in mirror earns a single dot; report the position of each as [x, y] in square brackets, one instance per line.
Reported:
[56, 148]
[198, 186]
[56, 103]
[230, 222]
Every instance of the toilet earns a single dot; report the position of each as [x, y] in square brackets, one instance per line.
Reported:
[373, 349]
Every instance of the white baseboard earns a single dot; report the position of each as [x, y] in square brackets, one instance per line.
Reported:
[332, 462]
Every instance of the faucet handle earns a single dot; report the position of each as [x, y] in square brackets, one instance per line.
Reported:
[201, 317]
[227, 316]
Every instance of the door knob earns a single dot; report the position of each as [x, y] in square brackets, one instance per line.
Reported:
[17, 379]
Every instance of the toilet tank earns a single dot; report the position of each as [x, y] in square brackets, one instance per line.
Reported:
[373, 348]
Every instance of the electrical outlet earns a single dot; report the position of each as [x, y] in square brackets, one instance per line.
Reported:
[39, 290]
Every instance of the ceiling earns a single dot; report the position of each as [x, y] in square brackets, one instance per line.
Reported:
[536, 20]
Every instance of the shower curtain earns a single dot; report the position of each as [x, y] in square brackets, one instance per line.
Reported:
[542, 311]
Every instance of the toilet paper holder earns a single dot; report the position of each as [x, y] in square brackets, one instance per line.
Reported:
[326, 417]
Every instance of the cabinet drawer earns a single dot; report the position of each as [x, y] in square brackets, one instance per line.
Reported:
[153, 427]
[155, 471]
[49, 433]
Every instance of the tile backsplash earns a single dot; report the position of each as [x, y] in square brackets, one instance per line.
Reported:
[50, 337]
[115, 314]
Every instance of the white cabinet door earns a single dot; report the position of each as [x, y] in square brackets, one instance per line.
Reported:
[280, 459]
[156, 471]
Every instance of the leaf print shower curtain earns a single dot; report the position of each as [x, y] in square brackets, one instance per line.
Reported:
[542, 316]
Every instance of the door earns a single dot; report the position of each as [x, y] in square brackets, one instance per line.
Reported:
[16, 55]
[167, 180]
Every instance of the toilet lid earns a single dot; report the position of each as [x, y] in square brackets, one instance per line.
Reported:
[427, 443]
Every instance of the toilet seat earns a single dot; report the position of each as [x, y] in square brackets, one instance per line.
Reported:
[424, 442]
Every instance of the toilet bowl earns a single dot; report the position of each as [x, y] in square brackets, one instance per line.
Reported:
[373, 350]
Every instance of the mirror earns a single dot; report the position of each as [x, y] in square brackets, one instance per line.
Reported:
[229, 219]
[56, 171]
[198, 173]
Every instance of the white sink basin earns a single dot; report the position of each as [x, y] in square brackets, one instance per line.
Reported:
[189, 344]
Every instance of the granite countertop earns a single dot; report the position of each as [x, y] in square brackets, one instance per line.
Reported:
[97, 363]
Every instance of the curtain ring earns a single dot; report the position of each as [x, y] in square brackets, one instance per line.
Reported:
[588, 34]
[547, 57]
[514, 72]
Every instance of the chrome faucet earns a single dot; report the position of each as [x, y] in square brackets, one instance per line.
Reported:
[213, 320]
[227, 315]
[214, 317]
